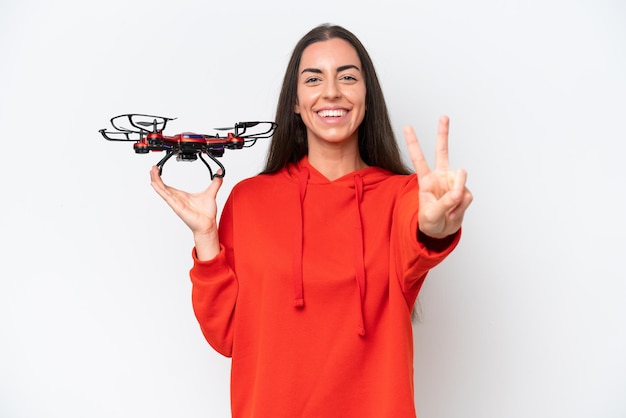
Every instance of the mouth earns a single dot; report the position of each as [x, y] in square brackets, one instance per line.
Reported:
[332, 113]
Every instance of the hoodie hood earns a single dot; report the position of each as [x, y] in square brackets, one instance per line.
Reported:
[357, 182]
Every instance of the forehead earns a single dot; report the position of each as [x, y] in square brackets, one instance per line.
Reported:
[331, 53]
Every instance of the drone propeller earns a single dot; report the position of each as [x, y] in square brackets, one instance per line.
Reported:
[138, 120]
[239, 125]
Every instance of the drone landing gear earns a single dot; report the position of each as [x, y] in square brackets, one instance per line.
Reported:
[192, 157]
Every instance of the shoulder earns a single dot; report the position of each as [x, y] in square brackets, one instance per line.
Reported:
[261, 184]
[403, 180]
[396, 184]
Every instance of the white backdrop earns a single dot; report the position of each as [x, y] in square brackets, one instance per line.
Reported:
[525, 319]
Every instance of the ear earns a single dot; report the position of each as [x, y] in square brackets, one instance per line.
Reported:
[296, 108]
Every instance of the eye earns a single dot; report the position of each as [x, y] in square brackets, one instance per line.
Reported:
[348, 78]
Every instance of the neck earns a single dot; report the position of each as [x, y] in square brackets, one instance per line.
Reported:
[335, 162]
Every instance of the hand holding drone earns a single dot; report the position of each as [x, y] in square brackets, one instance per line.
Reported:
[146, 131]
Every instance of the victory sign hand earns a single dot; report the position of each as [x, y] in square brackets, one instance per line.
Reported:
[443, 197]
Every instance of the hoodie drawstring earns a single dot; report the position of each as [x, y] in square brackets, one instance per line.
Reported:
[298, 282]
[360, 252]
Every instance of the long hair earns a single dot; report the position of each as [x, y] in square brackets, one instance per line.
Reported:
[377, 142]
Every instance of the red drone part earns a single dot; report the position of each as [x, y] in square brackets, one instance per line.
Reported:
[146, 131]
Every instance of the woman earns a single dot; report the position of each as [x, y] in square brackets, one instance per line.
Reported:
[309, 281]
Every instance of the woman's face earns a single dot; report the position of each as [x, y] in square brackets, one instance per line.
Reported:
[331, 92]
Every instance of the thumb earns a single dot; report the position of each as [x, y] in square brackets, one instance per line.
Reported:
[437, 210]
[454, 196]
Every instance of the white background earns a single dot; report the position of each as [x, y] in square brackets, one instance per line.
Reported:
[525, 319]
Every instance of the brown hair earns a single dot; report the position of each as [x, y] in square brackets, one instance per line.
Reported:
[377, 142]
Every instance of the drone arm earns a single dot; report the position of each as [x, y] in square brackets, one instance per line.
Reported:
[161, 163]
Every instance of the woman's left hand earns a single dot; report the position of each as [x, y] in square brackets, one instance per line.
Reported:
[443, 197]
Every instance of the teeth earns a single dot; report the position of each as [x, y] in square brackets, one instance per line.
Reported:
[331, 113]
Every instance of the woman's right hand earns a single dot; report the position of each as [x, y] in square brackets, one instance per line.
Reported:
[197, 210]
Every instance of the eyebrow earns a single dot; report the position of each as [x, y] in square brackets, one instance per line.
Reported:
[339, 69]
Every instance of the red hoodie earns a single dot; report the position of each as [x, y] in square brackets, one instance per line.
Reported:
[312, 293]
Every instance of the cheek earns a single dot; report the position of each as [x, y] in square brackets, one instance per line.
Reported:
[358, 96]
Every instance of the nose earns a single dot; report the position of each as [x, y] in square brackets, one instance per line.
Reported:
[331, 89]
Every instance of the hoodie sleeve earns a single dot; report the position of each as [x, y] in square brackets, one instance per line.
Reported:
[215, 289]
[413, 253]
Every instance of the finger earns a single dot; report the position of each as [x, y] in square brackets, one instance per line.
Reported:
[214, 187]
[415, 152]
[447, 203]
[157, 184]
[458, 184]
[461, 194]
[155, 180]
[454, 196]
[458, 212]
[154, 174]
[441, 150]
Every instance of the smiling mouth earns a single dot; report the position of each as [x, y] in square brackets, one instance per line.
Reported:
[334, 113]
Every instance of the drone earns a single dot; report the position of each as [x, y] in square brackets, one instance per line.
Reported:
[146, 131]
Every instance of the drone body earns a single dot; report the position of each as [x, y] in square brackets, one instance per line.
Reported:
[146, 131]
